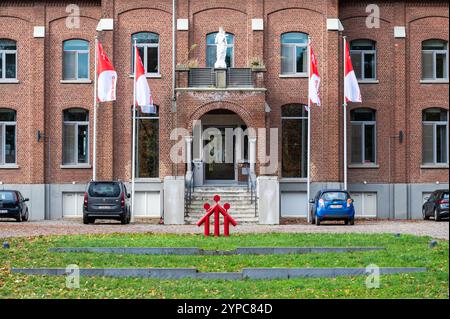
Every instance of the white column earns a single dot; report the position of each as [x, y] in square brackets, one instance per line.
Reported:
[188, 140]
[252, 149]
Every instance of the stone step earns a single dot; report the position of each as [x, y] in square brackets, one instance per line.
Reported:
[222, 196]
[220, 189]
[238, 221]
[234, 206]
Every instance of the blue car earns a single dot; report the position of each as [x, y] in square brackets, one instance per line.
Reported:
[332, 205]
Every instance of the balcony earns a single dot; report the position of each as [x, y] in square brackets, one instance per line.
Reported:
[220, 79]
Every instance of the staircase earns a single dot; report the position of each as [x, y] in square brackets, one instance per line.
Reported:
[242, 209]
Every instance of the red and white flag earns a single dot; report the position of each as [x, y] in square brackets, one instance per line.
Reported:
[107, 77]
[143, 93]
[351, 86]
[314, 80]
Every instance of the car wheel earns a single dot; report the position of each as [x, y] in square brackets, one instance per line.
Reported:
[317, 221]
[436, 215]
[86, 220]
[27, 215]
[124, 219]
[19, 218]
[346, 221]
[352, 221]
[312, 219]
[424, 214]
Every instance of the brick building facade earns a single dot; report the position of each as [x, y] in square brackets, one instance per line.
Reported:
[389, 179]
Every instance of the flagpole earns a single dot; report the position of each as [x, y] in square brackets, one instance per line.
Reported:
[94, 148]
[133, 163]
[345, 116]
[308, 184]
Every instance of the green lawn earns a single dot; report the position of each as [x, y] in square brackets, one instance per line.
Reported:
[408, 251]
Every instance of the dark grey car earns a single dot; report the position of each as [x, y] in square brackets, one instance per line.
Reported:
[436, 205]
[106, 200]
[13, 205]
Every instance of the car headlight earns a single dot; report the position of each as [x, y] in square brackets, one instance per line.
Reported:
[321, 203]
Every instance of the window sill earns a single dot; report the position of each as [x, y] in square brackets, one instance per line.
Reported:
[433, 81]
[12, 81]
[368, 81]
[81, 166]
[365, 166]
[293, 180]
[146, 180]
[434, 166]
[75, 82]
[299, 75]
[9, 166]
[149, 76]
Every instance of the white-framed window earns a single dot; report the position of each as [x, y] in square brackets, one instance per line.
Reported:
[147, 144]
[363, 136]
[75, 60]
[434, 60]
[294, 127]
[294, 54]
[7, 137]
[435, 136]
[148, 47]
[8, 60]
[364, 59]
[211, 50]
[75, 137]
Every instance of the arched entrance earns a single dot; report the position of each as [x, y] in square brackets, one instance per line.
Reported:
[220, 149]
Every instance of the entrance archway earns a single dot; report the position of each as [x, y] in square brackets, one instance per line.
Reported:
[220, 149]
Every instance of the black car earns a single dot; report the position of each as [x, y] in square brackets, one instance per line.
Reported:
[436, 205]
[106, 200]
[13, 205]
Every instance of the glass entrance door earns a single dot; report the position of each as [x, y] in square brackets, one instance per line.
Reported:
[220, 157]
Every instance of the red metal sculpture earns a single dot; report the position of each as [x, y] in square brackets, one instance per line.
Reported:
[217, 210]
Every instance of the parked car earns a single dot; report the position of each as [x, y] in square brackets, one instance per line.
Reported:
[106, 200]
[13, 205]
[436, 205]
[332, 205]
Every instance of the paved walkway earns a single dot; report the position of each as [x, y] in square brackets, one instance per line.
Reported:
[433, 229]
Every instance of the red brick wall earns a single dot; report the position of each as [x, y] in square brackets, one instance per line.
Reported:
[17, 24]
[398, 98]
[424, 21]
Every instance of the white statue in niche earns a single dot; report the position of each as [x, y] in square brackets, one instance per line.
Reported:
[222, 46]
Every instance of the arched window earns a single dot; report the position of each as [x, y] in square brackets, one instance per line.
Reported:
[8, 60]
[211, 50]
[294, 55]
[435, 136]
[147, 144]
[75, 137]
[148, 47]
[294, 126]
[363, 136]
[75, 60]
[434, 60]
[364, 59]
[7, 137]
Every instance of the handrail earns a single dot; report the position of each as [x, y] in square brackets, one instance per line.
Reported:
[252, 189]
[189, 189]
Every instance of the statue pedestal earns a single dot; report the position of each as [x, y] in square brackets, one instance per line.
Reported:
[221, 78]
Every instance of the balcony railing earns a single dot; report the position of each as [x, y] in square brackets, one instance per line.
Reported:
[210, 78]
[202, 77]
[239, 77]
